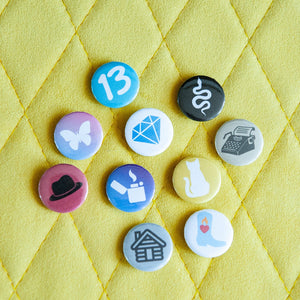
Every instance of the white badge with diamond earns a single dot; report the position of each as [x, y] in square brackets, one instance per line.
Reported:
[149, 132]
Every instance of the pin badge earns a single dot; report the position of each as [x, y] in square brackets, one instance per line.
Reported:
[63, 188]
[196, 179]
[239, 142]
[130, 188]
[208, 233]
[148, 247]
[78, 135]
[115, 84]
[201, 98]
[149, 132]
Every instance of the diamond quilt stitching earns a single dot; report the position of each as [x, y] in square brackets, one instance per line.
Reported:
[87, 252]
[153, 204]
[4, 7]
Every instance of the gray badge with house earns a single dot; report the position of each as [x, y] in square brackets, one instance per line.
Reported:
[148, 247]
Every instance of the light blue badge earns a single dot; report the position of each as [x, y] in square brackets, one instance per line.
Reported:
[78, 135]
[115, 84]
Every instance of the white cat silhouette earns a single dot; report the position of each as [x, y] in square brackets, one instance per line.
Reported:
[196, 185]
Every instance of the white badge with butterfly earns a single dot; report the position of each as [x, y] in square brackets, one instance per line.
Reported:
[75, 138]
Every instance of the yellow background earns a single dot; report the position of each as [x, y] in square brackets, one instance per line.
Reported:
[48, 53]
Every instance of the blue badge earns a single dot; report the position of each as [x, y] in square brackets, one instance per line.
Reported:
[130, 188]
[115, 84]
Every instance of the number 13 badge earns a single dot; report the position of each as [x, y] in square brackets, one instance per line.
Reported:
[201, 98]
[115, 84]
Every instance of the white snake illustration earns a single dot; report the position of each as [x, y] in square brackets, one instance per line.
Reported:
[204, 105]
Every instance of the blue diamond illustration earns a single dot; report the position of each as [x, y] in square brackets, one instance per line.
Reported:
[148, 131]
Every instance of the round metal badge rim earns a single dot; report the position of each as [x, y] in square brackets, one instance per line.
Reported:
[85, 184]
[230, 162]
[109, 198]
[187, 240]
[165, 261]
[192, 200]
[191, 116]
[108, 104]
[154, 153]
[59, 148]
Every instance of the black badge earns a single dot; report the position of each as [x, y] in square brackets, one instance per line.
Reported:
[201, 98]
[64, 187]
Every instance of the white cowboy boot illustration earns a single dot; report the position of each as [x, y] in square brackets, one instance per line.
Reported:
[204, 236]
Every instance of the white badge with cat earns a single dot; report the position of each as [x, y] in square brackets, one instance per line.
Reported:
[196, 180]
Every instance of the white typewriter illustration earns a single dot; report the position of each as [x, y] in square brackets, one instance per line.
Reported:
[240, 141]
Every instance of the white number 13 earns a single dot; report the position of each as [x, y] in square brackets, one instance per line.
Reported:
[119, 77]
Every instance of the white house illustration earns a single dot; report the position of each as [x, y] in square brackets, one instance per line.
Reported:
[148, 246]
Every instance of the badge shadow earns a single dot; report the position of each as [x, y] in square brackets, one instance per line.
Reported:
[38, 172]
[51, 128]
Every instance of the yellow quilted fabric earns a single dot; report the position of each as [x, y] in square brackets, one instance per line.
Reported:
[48, 53]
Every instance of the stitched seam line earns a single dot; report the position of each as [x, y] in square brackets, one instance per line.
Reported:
[260, 64]
[268, 80]
[61, 55]
[76, 30]
[12, 132]
[258, 25]
[265, 249]
[202, 124]
[202, 281]
[119, 262]
[293, 286]
[142, 72]
[45, 238]
[195, 294]
[117, 266]
[13, 294]
[248, 191]
[185, 266]
[162, 36]
[87, 254]
[4, 8]
[242, 200]
[146, 215]
[7, 275]
[24, 114]
[285, 114]
[178, 16]
[37, 140]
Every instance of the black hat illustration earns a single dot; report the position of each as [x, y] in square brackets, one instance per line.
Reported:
[64, 187]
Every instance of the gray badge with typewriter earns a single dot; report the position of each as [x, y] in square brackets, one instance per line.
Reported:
[239, 142]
